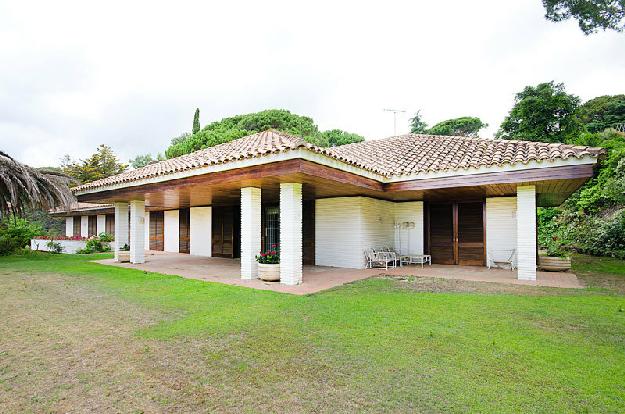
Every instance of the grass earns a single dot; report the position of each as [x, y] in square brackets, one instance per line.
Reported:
[78, 336]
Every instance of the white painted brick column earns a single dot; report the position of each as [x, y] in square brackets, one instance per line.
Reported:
[121, 226]
[84, 226]
[291, 233]
[526, 232]
[137, 231]
[250, 231]
[100, 224]
[69, 226]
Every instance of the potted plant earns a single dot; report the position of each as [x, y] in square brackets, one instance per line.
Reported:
[554, 259]
[269, 264]
[123, 254]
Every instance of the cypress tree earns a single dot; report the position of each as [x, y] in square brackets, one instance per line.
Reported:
[196, 121]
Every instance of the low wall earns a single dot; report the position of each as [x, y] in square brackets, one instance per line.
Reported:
[69, 246]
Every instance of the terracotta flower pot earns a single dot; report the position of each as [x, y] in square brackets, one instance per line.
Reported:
[123, 256]
[554, 264]
[269, 272]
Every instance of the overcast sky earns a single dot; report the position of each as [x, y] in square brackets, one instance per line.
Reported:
[130, 74]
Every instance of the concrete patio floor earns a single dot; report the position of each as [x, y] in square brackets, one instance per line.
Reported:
[318, 278]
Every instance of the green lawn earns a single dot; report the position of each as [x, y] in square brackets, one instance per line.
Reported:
[78, 336]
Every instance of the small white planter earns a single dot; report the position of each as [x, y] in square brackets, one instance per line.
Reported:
[123, 256]
[269, 272]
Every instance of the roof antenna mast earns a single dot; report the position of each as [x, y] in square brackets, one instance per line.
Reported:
[395, 112]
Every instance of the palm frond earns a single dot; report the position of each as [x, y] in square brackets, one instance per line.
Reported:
[23, 187]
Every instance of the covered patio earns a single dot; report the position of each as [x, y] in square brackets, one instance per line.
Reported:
[319, 278]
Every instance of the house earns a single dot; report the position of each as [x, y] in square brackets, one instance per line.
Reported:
[459, 199]
[87, 219]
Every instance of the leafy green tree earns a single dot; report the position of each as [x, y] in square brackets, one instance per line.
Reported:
[142, 160]
[591, 15]
[417, 125]
[196, 121]
[238, 126]
[466, 126]
[335, 138]
[545, 112]
[603, 112]
[103, 163]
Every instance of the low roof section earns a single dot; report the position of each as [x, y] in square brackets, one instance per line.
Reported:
[83, 209]
[407, 167]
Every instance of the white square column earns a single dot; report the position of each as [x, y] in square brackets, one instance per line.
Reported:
[121, 226]
[526, 232]
[100, 224]
[84, 226]
[69, 226]
[200, 231]
[291, 233]
[250, 231]
[137, 231]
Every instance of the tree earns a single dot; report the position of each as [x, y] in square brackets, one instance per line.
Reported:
[337, 137]
[466, 126]
[142, 160]
[239, 126]
[591, 15]
[103, 163]
[544, 112]
[196, 121]
[23, 188]
[417, 125]
[603, 112]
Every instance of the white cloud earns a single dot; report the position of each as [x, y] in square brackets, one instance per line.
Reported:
[130, 74]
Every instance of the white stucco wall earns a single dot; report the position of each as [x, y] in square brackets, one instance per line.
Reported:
[500, 227]
[526, 232]
[171, 231]
[69, 226]
[346, 226]
[200, 222]
[100, 224]
[84, 226]
[409, 229]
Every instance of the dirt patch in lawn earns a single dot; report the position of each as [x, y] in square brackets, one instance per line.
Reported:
[440, 285]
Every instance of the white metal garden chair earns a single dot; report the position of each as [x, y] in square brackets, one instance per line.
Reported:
[380, 259]
[501, 258]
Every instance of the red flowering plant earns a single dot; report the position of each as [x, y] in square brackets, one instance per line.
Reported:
[48, 237]
[270, 256]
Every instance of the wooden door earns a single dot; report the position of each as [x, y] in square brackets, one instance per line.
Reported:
[93, 226]
[225, 232]
[456, 233]
[308, 232]
[441, 234]
[157, 230]
[77, 220]
[470, 238]
[109, 225]
[184, 227]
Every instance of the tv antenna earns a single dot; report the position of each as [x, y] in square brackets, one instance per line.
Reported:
[395, 112]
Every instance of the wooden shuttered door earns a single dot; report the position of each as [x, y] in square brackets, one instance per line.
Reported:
[441, 233]
[470, 234]
[308, 232]
[93, 226]
[157, 227]
[456, 233]
[77, 220]
[226, 232]
[109, 225]
[184, 240]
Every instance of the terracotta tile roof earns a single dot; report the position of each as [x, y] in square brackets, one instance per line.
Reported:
[413, 153]
[394, 156]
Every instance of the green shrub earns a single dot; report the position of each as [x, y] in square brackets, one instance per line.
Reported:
[105, 237]
[96, 244]
[54, 247]
[15, 234]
